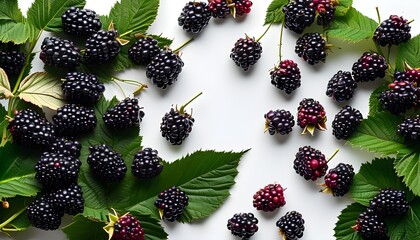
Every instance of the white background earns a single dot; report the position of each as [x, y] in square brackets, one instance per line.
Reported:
[229, 115]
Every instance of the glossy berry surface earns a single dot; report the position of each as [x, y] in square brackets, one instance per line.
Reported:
[12, 62]
[392, 31]
[286, 76]
[369, 67]
[171, 203]
[243, 225]
[106, 164]
[219, 8]
[311, 47]
[66, 147]
[298, 15]
[194, 17]
[311, 114]
[146, 164]
[125, 114]
[370, 226]
[310, 163]
[82, 88]
[389, 202]
[73, 120]
[269, 198]
[101, 47]
[144, 50]
[164, 68]
[325, 10]
[246, 52]
[279, 121]
[176, 127]
[341, 86]
[44, 215]
[291, 225]
[59, 53]
[242, 7]
[410, 128]
[401, 97]
[128, 228]
[80, 22]
[345, 122]
[339, 179]
[69, 199]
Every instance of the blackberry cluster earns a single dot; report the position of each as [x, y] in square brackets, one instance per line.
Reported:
[146, 164]
[106, 164]
[128, 228]
[59, 53]
[176, 126]
[401, 97]
[171, 203]
[125, 114]
[286, 76]
[72, 120]
[291, 225]
[242, 7]
[389, 202]
[243, 225]
[410, 128]
[279, 121]
[144, 50]
[369, 67]
[339, 179]
[194, 17]
[311, 114]
[219, 8]
[325, 10]
[310, 163]
[311, 47]
[370, 226]
[44, 215]
[298, 15]
[80, 22]
[269, 198]
[410, 75]
[246, 52]
[341, 86]
[66, 147]
[82, 88]
[68, 199]
[164, 68]
[12, 62]
[393, 31]
[101, 47]
[345, 122]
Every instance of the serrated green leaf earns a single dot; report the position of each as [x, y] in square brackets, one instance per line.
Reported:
[122, 61]
[413, 226]
[9, 11]
[374, 105]
[162, 41]
[407, 226]
[343, 7]
[275, 13]
[17, 32]
[5, 89]
[353, 27]
[408, 167]
[409, 52]
[346, 220]
[16, 204]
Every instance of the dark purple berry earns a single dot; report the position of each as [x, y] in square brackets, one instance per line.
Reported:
[345, 122]
[310, 163]
[194, 17]
[311, 47]
[219, 8]
[106, 164]
[401, 97]
[59, 53]
[370, 226]
[298, 15]
[389, 202]
[44, 215]
[80, 22]
[339, 179]
[125, 114]
[12, 62]
[341, 86]
[291, 225]
[246, 52]
[279, 121]
[243, 225]
[72, 120]
[392, 31]
[164, 68]
[82, 88]
[146, 164]
[171, 203]
[128, 228]
[311, 115]
[144, 50]
[286, 76]
[269, 198]
[410, 128]
[101, 47]
[369, 67]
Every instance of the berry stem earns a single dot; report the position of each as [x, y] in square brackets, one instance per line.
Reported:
[379, 49]
[10, 219]
[266, 30]
[332, 156]
[183, 45]
[126, 33]
[182, 109]
[379, 15]
[281, 40]
[140, 89]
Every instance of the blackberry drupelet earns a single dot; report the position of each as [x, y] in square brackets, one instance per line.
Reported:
[44, 215]
[242, 7]
[144, 50]
[370, 226]
[311, 116]
[127, 228]
[82, 88]
[291, 225]
[80, 22]
[286, 76]
[12, 62]
[369, 67]
[219, 8]
[106, 164]
[392, 31]
[101, 47]
[389, 202]
[410, 128]
[401, 97]
[269, 198]
[325, 10]
[311, 47]
[194, 17]
[310, 163]
[59, 53]
[72, 120]
[345, 122]
[125, 114]
[176, 126]
[410, 75]
[66, 147]
[279, 121]
[341, 86]
[339, 179]
[164, 68]
[69, 199]
[171, 203]
[146, 164]
[243, 225]
[246, 52]
[298, 15]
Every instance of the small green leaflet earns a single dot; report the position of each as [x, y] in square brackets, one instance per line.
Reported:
[343, 7]
[406, 227]
[275, 12]
[374, 105]
[409, 53]
[346, 220]
[408, 167]
[5, 89]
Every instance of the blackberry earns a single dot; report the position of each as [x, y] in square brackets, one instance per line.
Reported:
[269, 198]
[106, 164]
[370, 226]
[69, 199]
[339, 179]
[393, 31]
[311, 47]
[242, 7]
[125, 114]
[171, 203]
[12, 62]
[243, 225]
[66, 147]
[291, 225]
[341, 86]
[56, 170]
[279, 121]
[127, 228]
[164, 68]
[59, 53]
[80, 22]
[325, 10]
[310, 163]
[369, 67]
[219, 8]
[73, 120]
[345, 122]
[82, 88]
[246, 52]
[389, 202]
[286, 76]
[101, 47]
[410, 75]
[28, 128]
[401, 97]
[146, 164]
[194, 17]
[298, 15]
[410, 128]
[144, 50]
[311, 115]
[44, 215]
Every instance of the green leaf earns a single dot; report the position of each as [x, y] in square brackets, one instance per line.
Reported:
[407, 226]
[5, 90]
[353, 27]
[17, 33]
[408, 167]
[409, 53]
[346, 220]
[9, 11]
[16, 204]
[3, 121]
[374, 105]
[122, 61]
[162, 41]
[275, 12]
[343, 7]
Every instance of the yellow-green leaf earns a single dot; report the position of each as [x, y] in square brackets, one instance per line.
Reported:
[5, 85]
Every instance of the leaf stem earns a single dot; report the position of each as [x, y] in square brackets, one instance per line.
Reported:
[332, 156]
[266, 30]
[183, 45]
[131, 82]
[10, 219]
[379, 49]
[181, 110]
[140, 89]
[281, 40]
[126, 33]
[378, 14]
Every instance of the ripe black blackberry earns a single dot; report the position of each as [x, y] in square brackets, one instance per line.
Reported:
[401, 97]
[369, 67]
[243, 225]
[82, 88]
[69, 199]
[59, 53]
[325, 10]
[370, 226]
[345, 122]
[246, 52]
[310, 163]
[44, 215]
[339, 180]
[311, 47]
[410, 75]
[56, 170]
[194, 17]
[171, 203]
[410, 128]
[242, 7]
[389, 202]
[298, 15]
[341, 86]
[30, 129]
[311, 116]
[144, 50]
[66, 147]
[101, 47]
[127, 228]
[164, 68]
[146, 163]
[219, 8]
[125, 114]
[80, 22]
[12, 62]
[72, 120]
[291, 225]
[279, 121]
[286, 76]
[106, 164]
[392, 31]
[269, 198]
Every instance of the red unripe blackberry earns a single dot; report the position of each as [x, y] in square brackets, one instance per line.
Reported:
[219, 8]
[370, 226]
[410, 128]
[171, 203]
[325, 10]
[82, 88]
[269, 198]
[164, 68]
[12, 62]
[345, 122]
[310, 163]
[311, 47]
[59, 53]
[72, 120]
[298, 15]
[401, 97]
[389, 202]
[246, 52]
[66, 147]
[242, 7]
[146, 163]
[80, 22]
[125, 114]
[243, 225]
[69, 199]
[101, 47]
[341, 86]
[44, 215]
[194, 17]
[311, 116]
[286, 76]
[339, 180]
[106, 164]
[127, 228]
[291, 225]
[279, 121]
[144, 50]
[392, 31]
[369, 67]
